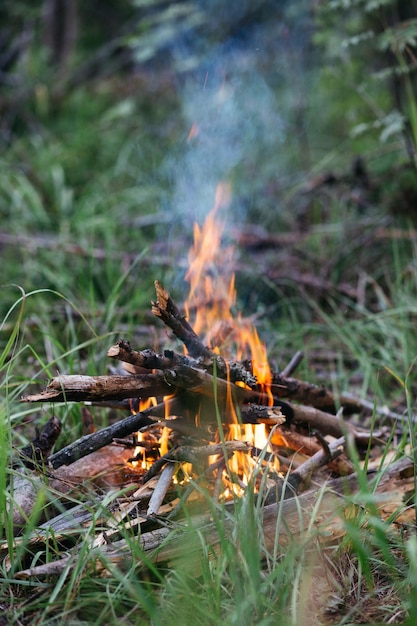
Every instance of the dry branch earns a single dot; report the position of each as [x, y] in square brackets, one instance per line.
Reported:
[100, 468]
[166, 309]
[309, 446]
[76, 388]
[304, 471]
[293, 364]
[195, 455]
[161, 489]
[148, 359]
[190, 379]
[321, 397]
[89, 443]
[232, 371]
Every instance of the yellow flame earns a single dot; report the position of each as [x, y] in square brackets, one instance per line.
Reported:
[209, 299]
[212, 293]
[209, 307]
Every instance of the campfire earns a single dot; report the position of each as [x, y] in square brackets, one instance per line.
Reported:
[218, 402]
[210, 417]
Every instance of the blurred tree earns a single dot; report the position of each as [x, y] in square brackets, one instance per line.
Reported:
[60, 25]
[370, 57]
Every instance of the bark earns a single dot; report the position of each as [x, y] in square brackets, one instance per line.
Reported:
[76, 388]
[296, 442]
[223, 397]
[104, 468]
[233, 371]
[320, 397]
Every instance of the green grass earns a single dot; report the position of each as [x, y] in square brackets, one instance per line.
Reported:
[250, 585]
[83, 275]
[242, 581]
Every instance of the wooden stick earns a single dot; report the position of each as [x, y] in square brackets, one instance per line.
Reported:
[259, 414]
[303, 473]
[322, 457]
[195, 455]
[78, 388]
[280, 521]
[190, 379]
[89, 443]
[166, 309]
[320, 397]
[162, 487]
[148, 359]
[293, 364]
[309, 446]
[232, 371]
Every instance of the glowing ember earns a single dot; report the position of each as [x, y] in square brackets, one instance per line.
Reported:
[149, 445]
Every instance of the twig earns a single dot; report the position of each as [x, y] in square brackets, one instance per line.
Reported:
[233, 371]
[148, 359]
[89, 443]
[76, 388]
[195, 455]
[293, 364]
[309, 446]
[162, 487]
[304, 472]
[320, 397]
[259, 414]
[166, 309]
[322, 457]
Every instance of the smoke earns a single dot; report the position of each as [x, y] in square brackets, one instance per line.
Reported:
[234, 120]
[235, 92]
[236, 129]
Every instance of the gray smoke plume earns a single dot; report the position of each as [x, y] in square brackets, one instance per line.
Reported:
[234, 124]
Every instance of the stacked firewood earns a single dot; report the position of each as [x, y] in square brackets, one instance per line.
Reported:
[198, 398]
[203, 383]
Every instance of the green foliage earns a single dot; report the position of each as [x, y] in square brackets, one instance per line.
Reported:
[370, 61]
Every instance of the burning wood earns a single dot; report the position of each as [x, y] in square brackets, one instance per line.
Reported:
[210, 396]
[212, 416]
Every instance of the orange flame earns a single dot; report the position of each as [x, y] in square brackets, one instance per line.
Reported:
[209, 307]
[213, 295]
[193, 132]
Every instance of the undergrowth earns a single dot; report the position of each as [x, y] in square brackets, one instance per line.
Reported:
[88, 204]
[242, 581]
